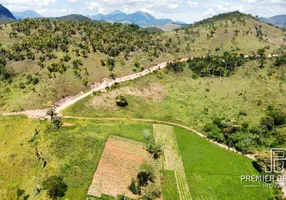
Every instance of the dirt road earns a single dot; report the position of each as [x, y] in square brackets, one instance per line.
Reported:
[98, 86]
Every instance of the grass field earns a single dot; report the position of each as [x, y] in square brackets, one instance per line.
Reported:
[169, 188]
[73, 152]
[180, 98]
[214, 173]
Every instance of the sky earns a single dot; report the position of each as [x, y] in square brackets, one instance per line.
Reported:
[183, 10]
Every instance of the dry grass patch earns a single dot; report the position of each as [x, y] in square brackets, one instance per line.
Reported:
[154, 92]
[119, 163]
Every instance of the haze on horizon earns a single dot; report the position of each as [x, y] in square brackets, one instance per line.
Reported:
[183, 10]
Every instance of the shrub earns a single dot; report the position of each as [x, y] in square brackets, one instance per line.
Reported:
[20, 193]
[242, 113]
[22, 85]
[67, 58]
[268, 122]
[175, 67]
[55, 187]
[278, 117]
[281, 60]
[121, 101]
[57, 122]
[155, 150]
[216, 135]
[134, 188]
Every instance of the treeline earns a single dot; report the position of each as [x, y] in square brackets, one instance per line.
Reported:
[210, 65]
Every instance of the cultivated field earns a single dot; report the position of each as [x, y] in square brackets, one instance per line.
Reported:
[120, 162]
[214, 173]
[165, 136]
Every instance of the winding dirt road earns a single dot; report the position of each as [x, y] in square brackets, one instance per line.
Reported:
[98, 86]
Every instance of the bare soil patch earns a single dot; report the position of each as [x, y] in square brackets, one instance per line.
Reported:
[120, 162]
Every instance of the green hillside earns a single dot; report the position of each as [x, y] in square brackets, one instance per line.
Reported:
[45, 60]
[234, 31]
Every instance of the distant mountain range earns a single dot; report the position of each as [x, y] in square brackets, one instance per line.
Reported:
[26, 14]
[6, 15]
[140, 18]
[278, 20]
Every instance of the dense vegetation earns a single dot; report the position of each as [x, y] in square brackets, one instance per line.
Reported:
[248, 139]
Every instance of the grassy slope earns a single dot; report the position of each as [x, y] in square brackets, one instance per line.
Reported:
[73, 152]
[214, 173]
[186, 98]
[49, 91]
[243, 43]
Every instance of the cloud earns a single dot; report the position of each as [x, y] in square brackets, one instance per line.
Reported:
[209, 13]
[192, 4]
[264, 1]
[228, 7]
[20, 5]
[152, 6]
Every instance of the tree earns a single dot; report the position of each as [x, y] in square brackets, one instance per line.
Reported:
[55, 187]
[146, 175]
[52, 113]
[261, 54]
